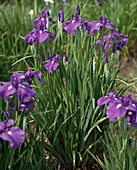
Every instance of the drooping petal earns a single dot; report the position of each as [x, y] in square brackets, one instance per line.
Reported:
[6, 83]
[15, 135]
[103, 100]
[71, 26]
[52, 37]
[116, 110]
[37, 74]
[48, 65]
[90, 26]
[55, 65]
[31, 37]
[7, 90]
[51, 20]
[41, 36]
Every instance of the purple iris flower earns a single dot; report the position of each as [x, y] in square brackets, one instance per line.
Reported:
[52, 63]
[61, 15]
[71, 25]
[120, 107]
[24, 91]
[14, 134]
[43, 18]
[29, 76]
[96, 25]
[42, 34]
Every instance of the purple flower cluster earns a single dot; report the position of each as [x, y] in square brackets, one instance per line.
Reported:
[13, 134]
[120, 107]
[114, 40]
[23, 89]
[41, 34]
[71, 25]
[20, 84]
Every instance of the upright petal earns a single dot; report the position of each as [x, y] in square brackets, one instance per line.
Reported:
[78, 10]
[61, 15]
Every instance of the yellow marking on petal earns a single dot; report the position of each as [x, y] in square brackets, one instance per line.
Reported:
[21, 105]
[119, 105]
[133, 105]
[52, 61]
[115, 98]
[22, 76]
[23, 86]
[9, 132]
[10, 87]
[42, 19]
[97, 24]
[73, 21]
[40, 31]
